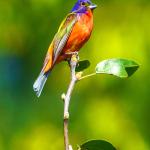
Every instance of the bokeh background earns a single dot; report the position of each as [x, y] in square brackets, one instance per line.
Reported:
[103, 107]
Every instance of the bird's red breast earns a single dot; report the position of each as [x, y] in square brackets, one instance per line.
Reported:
[80, 34]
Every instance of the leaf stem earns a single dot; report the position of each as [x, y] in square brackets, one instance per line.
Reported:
[86, 76]
[73, 64]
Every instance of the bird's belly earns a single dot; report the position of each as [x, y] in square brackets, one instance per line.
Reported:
[80, 34]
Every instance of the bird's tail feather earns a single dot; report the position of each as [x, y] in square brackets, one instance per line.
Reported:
[39, 83]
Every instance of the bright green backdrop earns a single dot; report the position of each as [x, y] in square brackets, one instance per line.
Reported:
[102, 107]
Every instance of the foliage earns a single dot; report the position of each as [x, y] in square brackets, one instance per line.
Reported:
[82, 65]
[122, 68]
[96, 145]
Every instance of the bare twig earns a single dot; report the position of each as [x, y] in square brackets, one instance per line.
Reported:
[73, 64]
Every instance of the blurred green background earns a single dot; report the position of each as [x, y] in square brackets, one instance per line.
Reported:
[102, 107]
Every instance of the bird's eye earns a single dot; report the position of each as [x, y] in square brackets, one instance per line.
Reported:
[83, 3]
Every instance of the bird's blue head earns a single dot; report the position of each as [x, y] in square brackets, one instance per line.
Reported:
[82, 6]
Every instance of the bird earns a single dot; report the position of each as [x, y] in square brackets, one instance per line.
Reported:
[74, 31]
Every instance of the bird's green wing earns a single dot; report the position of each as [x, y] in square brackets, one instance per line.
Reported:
[63, 34]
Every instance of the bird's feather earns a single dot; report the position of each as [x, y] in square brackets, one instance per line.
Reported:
[55, 50]
[63, 34]
[59, 41]
[39, 83]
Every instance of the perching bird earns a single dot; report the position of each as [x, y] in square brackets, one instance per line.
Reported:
[73, 33]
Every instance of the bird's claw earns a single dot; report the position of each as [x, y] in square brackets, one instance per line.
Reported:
[73, 53]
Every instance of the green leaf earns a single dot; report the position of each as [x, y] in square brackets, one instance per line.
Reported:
[82, 65]
[97, 145]
[122, 68]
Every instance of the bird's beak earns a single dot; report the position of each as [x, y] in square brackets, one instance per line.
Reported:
[92, 6]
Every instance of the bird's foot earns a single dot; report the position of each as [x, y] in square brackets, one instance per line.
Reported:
[73, 53]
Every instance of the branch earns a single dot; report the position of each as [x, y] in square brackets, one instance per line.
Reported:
[73, 64]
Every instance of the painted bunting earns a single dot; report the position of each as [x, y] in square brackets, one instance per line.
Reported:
[73, 33]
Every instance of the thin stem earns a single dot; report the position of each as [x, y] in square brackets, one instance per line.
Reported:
[66, 137]
[86, 76]
[73, 64]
